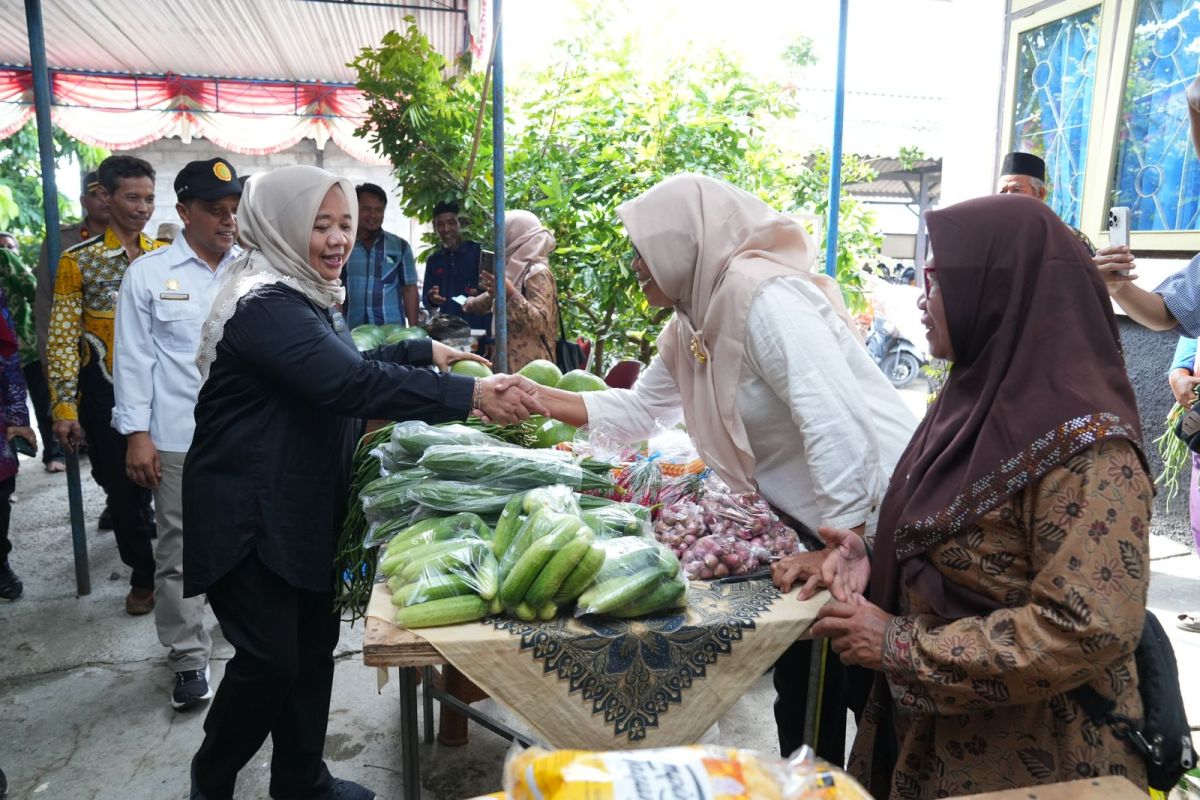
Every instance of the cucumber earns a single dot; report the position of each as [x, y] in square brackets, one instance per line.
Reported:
[587, 569]
[539, 524]
[524, 613]
[467, 555]
[488, 577]
[617, 592]
[432, 587]
[508, 525]
[407, 532]
[494, 606]
[534, 560]
[669, 594]
[547, 612]
[558, 568]
[447, 611]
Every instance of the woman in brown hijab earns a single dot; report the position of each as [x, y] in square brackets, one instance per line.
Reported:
[1011, 562]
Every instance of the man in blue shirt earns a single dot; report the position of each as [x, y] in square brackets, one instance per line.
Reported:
[381, 275]
[453, 271]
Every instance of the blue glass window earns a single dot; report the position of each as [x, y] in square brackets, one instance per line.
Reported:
[1056, 76]
[1157, 175]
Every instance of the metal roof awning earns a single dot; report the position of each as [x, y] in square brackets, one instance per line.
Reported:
[895, 180]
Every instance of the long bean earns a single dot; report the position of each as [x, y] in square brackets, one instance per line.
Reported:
[1175, 456]
[354, 565]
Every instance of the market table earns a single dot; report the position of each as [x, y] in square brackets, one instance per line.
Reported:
[653, 682]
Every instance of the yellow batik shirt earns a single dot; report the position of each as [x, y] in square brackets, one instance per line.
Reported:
[81, 322]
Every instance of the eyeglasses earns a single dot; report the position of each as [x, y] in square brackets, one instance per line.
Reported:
[931, 281]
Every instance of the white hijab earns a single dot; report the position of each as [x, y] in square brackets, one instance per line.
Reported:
[711, 248]
[275, 220]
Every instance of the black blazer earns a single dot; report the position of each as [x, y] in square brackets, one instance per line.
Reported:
[277, 422]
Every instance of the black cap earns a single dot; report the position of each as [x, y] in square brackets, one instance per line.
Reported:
[1024, 164]
[445, 207]
[207, 180]
[91, 182]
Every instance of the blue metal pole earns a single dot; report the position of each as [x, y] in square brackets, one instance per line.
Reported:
[500, 308]
[41, 100]
[835, 158]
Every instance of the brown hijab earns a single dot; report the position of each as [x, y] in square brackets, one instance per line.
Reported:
[1038, 376]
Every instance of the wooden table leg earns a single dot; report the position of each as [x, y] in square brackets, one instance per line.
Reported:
[452, 730]
[409, 752]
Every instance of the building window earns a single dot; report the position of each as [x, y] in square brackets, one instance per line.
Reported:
[1156, 175]
[1055, 80]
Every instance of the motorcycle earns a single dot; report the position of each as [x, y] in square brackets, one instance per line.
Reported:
[896, 356]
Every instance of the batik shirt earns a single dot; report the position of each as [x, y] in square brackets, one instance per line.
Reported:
[81, 322]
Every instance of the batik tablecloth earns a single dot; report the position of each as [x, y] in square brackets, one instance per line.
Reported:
[599, 683]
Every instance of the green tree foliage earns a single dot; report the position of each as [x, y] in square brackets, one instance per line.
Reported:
[591, 132]
[21, 183]
[421, 115]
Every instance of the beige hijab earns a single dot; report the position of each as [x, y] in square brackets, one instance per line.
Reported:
[527, 246]
[275, 220]
[712, 247]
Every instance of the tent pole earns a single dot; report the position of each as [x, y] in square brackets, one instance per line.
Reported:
[499, 309]
[42, 99]
[835, 158]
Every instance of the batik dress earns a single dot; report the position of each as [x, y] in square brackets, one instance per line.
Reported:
[978, 704]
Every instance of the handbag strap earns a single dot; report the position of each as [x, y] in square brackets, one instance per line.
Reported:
[1100, 710]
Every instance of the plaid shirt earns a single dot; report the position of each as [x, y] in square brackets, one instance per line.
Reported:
[375, 278]
[1181, 294]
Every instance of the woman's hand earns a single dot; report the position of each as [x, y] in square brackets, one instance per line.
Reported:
[854, 629]
[445, 357]
[845, 570]
[506, 399]
[487, 281]
[791, 569]
[24, 431]
[1193, 95]
[1183, 385]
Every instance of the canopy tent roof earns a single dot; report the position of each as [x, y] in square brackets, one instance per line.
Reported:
[253, 77]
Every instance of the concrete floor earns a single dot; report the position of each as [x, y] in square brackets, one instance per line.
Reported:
[84, 687]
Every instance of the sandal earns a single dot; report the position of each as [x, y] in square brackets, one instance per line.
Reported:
[1189, 622]
[55, 465]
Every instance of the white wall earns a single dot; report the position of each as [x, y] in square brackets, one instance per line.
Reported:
[168, 156]
[974, 66]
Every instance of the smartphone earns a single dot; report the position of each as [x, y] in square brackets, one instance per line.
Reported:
[1118, 229]
[487, 261]
[24, 446]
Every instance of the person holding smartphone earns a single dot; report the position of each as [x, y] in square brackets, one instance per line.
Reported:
[14, 417]
[530, 291]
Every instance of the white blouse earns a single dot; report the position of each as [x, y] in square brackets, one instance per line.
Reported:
[825, 426]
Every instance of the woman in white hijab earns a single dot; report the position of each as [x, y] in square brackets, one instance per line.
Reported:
[265, 480]
[761, 363]
[531, 293]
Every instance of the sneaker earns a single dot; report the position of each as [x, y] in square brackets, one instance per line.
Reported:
[139, 601]
[11, 587]
[105, 522]
[191, 689]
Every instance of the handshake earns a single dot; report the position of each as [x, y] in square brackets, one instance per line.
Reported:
[507, 399]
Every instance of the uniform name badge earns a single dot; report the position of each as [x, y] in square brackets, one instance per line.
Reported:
[174, 296]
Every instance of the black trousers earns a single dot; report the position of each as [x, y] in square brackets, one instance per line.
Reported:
[39, 397]
[279, 682]
[7, 487]
[791, 688]
[130, 503]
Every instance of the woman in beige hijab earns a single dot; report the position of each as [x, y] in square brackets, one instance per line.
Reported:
[266, 478]
[761, 364]
[531, 294]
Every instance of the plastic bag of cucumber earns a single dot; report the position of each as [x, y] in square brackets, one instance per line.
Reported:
[543, 558]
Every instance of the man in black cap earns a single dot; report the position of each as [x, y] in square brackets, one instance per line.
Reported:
[164, 300]
[1025, 173]
[452, 273]
[95, 218]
